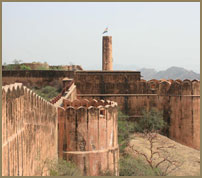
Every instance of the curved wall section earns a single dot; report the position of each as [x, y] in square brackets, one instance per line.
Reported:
[88, 135]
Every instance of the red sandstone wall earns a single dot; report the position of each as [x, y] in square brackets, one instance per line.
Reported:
[106, 82]
[133, 94]
[69, 92]
[88, 135]
[36, 78]
[185, 115]
[179, 100]
[29, 131]
[107, 53]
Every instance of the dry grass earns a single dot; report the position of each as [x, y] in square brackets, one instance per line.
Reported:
[188, 158]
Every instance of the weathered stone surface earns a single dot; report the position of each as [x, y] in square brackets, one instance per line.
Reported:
[107, 53]
[35, 78]
[29, 130]
[91, 133]
[179, 101]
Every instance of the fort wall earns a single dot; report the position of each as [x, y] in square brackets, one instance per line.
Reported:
[88, 82]
[88, 135]
[179, 101]
[106, 82]
[29, 132]
[37, 78]
[68, 92]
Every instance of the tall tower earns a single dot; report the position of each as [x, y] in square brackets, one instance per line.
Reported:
[107, 53]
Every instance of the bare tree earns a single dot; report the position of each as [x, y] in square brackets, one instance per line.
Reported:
[161, 154]
[15, 61]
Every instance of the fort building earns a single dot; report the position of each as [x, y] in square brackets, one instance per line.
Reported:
[80, 124]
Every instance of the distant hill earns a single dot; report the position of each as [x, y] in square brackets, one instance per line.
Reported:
[149, 73]
[170, 73]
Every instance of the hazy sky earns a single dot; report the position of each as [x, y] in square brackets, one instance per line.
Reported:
[146, 35]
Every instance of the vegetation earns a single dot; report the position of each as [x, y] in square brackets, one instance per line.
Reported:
[158, 154]
[47, 92]
[16, 66]
[125, 128]
[42, 68]
[10, 67]
[57, 167]
[63, 168]
[150, 122]
[15, 61]
[24, 67]
[130, 166]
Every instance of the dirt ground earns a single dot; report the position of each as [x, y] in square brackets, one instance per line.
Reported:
[188, 159]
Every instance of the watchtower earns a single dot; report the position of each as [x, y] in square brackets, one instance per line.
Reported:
[107, 53]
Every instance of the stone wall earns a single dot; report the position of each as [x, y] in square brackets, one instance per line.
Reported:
[36, 78]
[88, 135]
[67, 67]
[106, 82]
[86, 81]
[29, 132]
[68, 92]
[179, 101]
[107, 61]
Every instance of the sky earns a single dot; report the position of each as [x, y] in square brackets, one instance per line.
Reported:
[144, 35]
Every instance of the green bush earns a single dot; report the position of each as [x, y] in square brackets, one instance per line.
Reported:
[11, 67]
[57, 68]
[42, 68]
[125, 128]
[106, 173]
[151, 121]
[24, 67]
[129, 166]
[47, 92]
[63, 168]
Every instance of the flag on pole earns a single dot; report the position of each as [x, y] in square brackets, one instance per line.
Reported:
[105, 31]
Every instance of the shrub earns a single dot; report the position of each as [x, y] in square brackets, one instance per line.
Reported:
[42, 68]
[57, 68]
[11, 67]
[106, 173]
[63, 168]
[129, 166]
[125, 128]
[24, 67]
[47, 92]
[151, 121]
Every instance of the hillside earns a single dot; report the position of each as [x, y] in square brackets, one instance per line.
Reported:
[170, 73]
[188, 158]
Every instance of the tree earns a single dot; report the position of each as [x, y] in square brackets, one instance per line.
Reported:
[160, 152]
[24, 67]
[151, 121]
[15, 61]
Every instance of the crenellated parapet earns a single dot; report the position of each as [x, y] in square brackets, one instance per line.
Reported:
[169, 87]
[28, 121]
[88, 135]
[88, 103]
